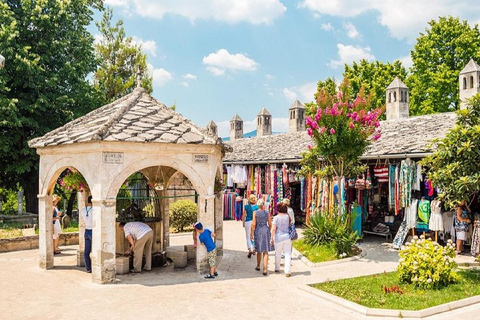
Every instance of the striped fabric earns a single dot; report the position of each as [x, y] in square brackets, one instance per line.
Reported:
[136, 229]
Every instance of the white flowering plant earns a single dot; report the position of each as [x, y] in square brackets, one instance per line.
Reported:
[426, 264]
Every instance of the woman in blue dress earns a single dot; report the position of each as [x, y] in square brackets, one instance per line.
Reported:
[247, 219]
[260, 235]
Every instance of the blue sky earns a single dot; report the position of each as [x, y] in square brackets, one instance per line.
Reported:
[218, 58]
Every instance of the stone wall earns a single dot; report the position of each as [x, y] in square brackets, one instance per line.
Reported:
[31, 242]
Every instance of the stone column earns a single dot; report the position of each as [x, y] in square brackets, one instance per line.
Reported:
[81, 229]
[206, 215]
[103, 240]
[45, 230]
[219, 222]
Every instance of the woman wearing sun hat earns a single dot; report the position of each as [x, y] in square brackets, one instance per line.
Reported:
[247, 218]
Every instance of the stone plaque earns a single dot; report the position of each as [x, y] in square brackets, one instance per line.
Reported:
[202, 158]
[112, 157]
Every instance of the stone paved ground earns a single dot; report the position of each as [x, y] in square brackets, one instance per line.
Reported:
[240, 292]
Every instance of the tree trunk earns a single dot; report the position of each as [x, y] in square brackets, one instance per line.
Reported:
[71, 202]
[31, 199]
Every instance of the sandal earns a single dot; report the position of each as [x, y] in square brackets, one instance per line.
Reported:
[134, 271]
[257, 268]
[215, 274]
[210, 276]
[249, 254]
[264, 273]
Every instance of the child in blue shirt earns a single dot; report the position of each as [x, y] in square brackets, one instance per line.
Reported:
[206, 239]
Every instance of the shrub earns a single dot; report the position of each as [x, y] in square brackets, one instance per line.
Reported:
[426, 264]
[182, 214]
[331, 229]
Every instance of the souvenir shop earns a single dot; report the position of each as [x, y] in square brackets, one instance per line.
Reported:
[392, 198]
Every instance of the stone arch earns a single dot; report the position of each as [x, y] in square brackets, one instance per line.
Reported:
[389, 97]
[58, 167]
[196, 180]
[471, 82]
[464, 83]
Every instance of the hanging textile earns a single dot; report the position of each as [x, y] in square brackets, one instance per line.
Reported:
[309, 197]
[275, 192]
[324, 193]
[397, 191]
[476, 238]
[302, 194]
[263, 180]
[417, 179]
[280, 184]
[342, 196]
[406, 180]
[391, 187]
[229, 177]
[411, 214]
[229, 205]
[286, 183]
[252, 178]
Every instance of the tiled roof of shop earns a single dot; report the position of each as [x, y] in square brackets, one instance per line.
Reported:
[137, 117]
[399, 137]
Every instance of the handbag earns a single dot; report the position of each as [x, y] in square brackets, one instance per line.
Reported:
[292, 232]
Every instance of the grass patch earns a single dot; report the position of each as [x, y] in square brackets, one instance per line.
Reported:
[315, 253]
[369, 291]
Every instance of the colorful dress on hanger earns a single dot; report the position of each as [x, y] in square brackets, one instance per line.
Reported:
[423, 214]
[411, 214]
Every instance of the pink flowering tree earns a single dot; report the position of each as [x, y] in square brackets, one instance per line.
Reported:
[341, 128]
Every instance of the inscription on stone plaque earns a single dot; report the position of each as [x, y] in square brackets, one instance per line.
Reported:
[202, 158]
[112, 157]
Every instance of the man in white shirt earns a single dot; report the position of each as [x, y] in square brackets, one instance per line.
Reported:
[140, 237]
[87, 217]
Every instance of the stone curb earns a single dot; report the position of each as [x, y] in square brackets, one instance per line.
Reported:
[391, 313]
[310, 264]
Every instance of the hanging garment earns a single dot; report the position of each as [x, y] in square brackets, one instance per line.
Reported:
[280, 185]
[400, 236]
[229, 177]
[252, 178]
[476, 238]
[238, 208]
[406, 181]
[397, 191]
[411, 214]
[391, 187]
[423, 214]
[448, 224]
[286, 183]
[275, 192]
[309, 197]
[418, 177]
[436, 221]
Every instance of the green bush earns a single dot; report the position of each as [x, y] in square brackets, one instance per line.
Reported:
[182, 214]
[426, 264]
[9, 200]
[331, 229]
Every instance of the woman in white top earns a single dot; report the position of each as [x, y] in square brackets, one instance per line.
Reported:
[281, 238]
[57, 229]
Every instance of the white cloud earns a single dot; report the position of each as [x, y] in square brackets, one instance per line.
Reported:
[404, 19]
[289, 94]
[326, 26]
[252, 11]
[185, 84]
[216, 71]
[220, 61]
[189, 76]
[406, 61]
[160, 76]
[149, 46]
[269, 77]
[348, 54]
[271, 94]
[280, 124]
[352, 31]
[303, 92]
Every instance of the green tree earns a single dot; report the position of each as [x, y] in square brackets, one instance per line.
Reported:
[121, 59]
[455, 165]
[340, 129]
[49, 54]
[373, 77]
[438, 57]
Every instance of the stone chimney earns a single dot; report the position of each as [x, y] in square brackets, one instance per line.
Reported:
[469, 82]
[236, 128]
[212, 128]
[297, 117]
[264, 123]
[397, 100]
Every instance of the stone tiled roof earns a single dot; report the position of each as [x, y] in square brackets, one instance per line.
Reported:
[471, 66]
[137, 117]
[264, 112]
[396, 83]
[297, 105]
[399, 137]
[236, 118]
